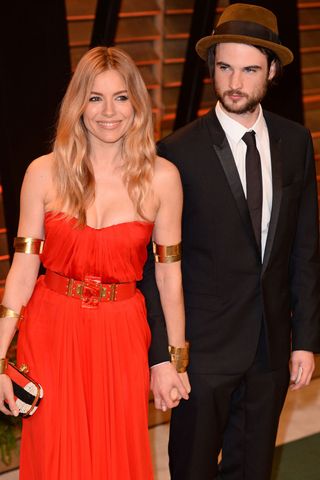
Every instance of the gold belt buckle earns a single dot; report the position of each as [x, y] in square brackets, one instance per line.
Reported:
[89, 291]
[69, 291]
[113, 292]
[109, 292]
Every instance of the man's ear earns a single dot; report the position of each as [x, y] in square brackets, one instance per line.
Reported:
[272, 70]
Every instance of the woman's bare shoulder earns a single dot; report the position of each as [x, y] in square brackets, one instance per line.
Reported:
[38, 178]
[41, 166]
[166, 180]
[165, 168]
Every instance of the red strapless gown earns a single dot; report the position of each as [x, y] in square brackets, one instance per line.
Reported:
[92, 423]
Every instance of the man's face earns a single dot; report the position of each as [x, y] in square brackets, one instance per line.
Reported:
[241, 78]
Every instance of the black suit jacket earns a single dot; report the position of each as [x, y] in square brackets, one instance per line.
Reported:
[228, 292]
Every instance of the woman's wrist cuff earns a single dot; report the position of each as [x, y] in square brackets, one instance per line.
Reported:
[3, 365]
[179, 357]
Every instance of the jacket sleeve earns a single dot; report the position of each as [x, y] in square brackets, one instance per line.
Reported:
[305, 264]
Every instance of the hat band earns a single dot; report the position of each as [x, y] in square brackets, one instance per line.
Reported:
[249, 29]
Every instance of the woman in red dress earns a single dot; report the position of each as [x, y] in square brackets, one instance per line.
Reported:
[95, 201]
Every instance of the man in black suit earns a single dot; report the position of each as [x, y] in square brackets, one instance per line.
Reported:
[250, 260]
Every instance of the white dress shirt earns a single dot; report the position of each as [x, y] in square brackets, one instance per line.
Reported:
[234, 132]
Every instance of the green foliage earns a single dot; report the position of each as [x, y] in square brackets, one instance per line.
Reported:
[10, 428]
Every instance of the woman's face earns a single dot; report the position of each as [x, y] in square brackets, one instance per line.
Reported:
[109, 113]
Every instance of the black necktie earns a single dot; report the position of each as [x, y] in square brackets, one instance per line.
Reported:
[254, 184]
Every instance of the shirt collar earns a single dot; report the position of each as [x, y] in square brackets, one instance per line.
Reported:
[234, 129]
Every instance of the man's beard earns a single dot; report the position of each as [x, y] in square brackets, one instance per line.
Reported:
[248, 107]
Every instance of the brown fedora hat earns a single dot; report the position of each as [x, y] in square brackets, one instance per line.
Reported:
[249, 24]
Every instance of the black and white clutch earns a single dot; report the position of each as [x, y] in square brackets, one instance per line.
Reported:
[27, 392]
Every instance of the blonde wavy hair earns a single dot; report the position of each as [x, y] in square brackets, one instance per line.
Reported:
[73, 173]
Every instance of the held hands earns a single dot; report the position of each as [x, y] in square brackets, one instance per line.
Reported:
[302, 367]
[174, 394]
[6, 395]
[168, 386]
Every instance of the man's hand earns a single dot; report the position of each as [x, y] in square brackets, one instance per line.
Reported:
[174, 394]
[302, 367]
[168, 386]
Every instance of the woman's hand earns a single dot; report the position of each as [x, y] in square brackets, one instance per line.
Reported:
[6, 395]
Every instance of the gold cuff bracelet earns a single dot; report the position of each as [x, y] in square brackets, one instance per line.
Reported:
[7, 312]
[179, 357]
[28, 245]
[166, 254]
[3, 365]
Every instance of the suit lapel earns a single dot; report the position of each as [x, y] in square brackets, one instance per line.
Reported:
[224, 153]
[276, 165]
